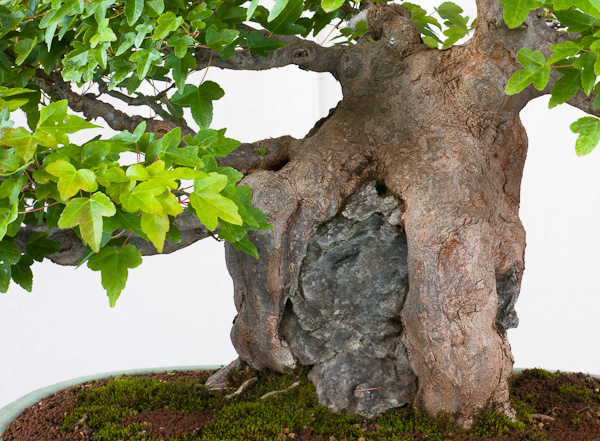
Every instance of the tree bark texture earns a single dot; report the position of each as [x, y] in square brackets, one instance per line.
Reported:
[397, 251]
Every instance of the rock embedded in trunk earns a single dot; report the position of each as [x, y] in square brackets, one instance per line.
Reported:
[344, 318]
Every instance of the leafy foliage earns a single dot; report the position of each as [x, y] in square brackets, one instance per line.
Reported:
[95, 188]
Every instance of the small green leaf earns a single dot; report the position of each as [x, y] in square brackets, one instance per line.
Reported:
[251, 9]
[262, 45]
[23, 48]
[113, 266]
[88, 214]
[145, 59]
[210, 204]
[156, 228]
[167, 23]
[133, 10]
[589, 134]
[565, 87]
[516, 11]
[452, 12]
[143, 198]
[330, 5]
[562, 51]
[71, 180]
[21, 273]
[39, 246]
[9, 253]
[218, 39]
[535, 71]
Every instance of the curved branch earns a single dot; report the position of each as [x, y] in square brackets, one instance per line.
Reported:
[269, 154]
[584, 102]
[72, 250]
[306, 54]
[53, 84]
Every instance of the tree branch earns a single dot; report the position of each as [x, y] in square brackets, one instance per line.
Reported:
[306, 54]
[584, 102]
[72, 250]
[53, 84]
[269, 154]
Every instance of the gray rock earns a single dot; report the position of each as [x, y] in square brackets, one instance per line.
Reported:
[344, 318]
[507, 288]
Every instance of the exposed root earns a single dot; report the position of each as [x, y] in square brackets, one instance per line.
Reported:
[249, 382]
[275, 392]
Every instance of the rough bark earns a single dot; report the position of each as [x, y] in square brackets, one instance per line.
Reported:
[409, 301]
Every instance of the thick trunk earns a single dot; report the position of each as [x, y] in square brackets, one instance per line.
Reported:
[397, 252]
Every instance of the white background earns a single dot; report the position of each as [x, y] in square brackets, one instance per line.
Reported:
[177, 310]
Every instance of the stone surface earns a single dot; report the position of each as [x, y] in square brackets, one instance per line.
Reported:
[344, 319]
[507, 289]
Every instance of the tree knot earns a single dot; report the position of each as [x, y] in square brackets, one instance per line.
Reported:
[392, 21]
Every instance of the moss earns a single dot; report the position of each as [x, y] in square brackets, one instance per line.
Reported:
[494, 424]
[523, 406]
[540, 374]
[406, 420]
[539, 436]
[247, 417]
[572, 392]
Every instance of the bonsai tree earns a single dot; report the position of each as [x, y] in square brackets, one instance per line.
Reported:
[384, 250]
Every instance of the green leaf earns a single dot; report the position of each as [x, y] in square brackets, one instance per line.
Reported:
[588, 128]
[284, 23]
[7, 216]
[104, 34]
[251, 9]
[535, 71]
[88, 214]
[562, 51]
[113, 266]
[39, 246]
[586, 62]
[591, 7]
[156, 228]
[71, 180]
[210, 204]
[21, 273]
[54, 120]
[516, 11]
[452, 12]
[145, 59]
[167, 23]
[277, 9]
[143, 198]
[180, 68]
[200, 99]
[180, 44]
[9, 253]
[331, 5]
[576, 21]
[218, 39]
[133, 10]
[23, 48]
[565, 87]
[262, 45]
[9, 161]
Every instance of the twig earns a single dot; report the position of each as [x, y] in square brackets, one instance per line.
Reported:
[275, 392]
[366, 390]
[243, 387]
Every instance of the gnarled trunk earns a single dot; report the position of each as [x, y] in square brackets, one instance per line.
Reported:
[397, 252]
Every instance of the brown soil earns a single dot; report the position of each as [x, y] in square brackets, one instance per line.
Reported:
[563, 408]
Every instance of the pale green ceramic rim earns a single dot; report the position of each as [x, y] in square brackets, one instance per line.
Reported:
[14, 409]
